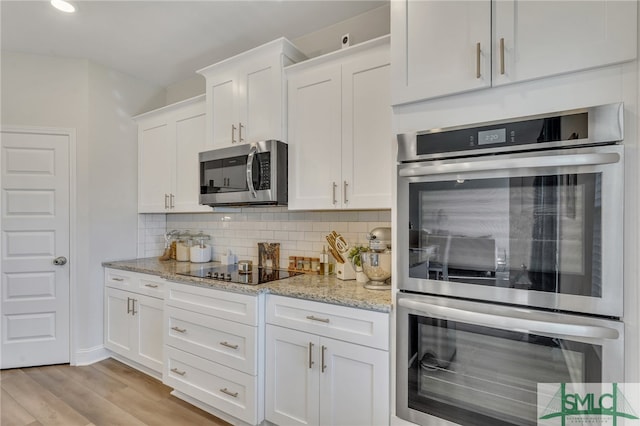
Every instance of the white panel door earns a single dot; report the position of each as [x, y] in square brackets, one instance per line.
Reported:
[315, 139]
[260, 114]
[35, 231]
[148, 317]
[291, 383]
[119, 330]
[367, 143]
[439, 48]
[543, 38]
[156, 164]
[190, 140]
[222, 110]
[354, 384]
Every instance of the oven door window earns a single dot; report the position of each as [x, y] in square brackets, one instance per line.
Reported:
[540, 233]
[476, 375]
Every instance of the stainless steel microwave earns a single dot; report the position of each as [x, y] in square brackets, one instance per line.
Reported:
[244, 175]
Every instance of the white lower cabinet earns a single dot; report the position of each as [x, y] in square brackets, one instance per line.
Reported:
[133, 327]
[316, 379]
[212, 350]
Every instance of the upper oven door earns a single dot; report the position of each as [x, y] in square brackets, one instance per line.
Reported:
[537, 229]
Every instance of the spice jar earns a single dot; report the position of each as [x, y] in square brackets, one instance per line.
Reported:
[183, 246]
[200, 250]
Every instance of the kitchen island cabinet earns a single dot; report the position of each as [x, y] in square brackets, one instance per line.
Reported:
[245, 95]
[325, 364]
[340, 142]
[502, 42]
[169, 140]
[133, 318]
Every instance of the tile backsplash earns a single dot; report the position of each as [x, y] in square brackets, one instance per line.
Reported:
[240, 230]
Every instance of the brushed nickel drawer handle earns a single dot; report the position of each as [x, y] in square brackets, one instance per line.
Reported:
[151, 285]
[179, 330]
[175, 370]
[311, 317]
[310, 355]
[229, 345]
[228, 392]
[117, 279]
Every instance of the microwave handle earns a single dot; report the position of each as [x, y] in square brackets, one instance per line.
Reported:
[252, 153]
[512, 323]
[514, 163]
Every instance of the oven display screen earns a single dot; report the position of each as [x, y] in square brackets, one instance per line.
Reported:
[486, 137]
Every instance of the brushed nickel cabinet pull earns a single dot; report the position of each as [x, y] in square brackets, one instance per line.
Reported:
[324, 367]
[179, 330]
[133, 307]
[151, 285]
[334, 193]
[478, 51]
[313, 318]
[310, 355]
[229, 345]
[166, 201]
[117, 279]
[172, 202]
[233, 133]
[344, 196]
[128, 305]
[240, 126]
[175, 370]
[502, 56]
[228, 392]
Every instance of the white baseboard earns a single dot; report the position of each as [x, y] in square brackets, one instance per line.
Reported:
[90, 355]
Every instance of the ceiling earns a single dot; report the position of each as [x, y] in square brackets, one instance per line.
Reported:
[164, 42]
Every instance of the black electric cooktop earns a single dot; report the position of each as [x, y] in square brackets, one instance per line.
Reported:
[229, 273]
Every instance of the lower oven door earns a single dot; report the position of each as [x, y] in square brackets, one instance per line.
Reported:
[472, 363]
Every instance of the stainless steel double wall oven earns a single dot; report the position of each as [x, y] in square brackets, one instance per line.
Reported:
[510, 243]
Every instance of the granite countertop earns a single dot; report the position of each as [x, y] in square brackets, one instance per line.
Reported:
[327, 289]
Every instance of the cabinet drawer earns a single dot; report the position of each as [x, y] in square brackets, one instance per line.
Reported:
[225, 342]
[354, 325]
[222, 304]
[223, 388]
[119, 279]
[151, 285]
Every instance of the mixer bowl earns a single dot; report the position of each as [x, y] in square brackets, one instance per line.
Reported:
[376, 266]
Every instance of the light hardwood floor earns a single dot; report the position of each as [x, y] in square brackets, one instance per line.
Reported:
[105, 393]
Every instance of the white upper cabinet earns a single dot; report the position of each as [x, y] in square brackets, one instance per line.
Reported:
[340, 144]
[440, 48]
[169, 140]
[245, 97]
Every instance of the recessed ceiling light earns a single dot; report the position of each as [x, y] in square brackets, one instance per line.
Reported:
[63, 5]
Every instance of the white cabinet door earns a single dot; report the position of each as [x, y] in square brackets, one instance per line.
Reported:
[260, 108]
[222, 108]
[147, 316]
[354, 384]
[315, 133]
[543, 38]
[439, 48]
[118, 333]
[292, 379]
[156, 164]
[133, 327]
[190, 140]
[367, 153]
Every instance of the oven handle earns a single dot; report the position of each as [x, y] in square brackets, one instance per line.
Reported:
[513, 163]
[512, 323]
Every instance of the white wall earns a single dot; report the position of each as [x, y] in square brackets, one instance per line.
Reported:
[97, 103]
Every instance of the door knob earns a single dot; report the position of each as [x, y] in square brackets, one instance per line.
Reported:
[59, 261]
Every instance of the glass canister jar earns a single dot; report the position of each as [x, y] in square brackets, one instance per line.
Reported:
[183, 246]
[200, 251]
